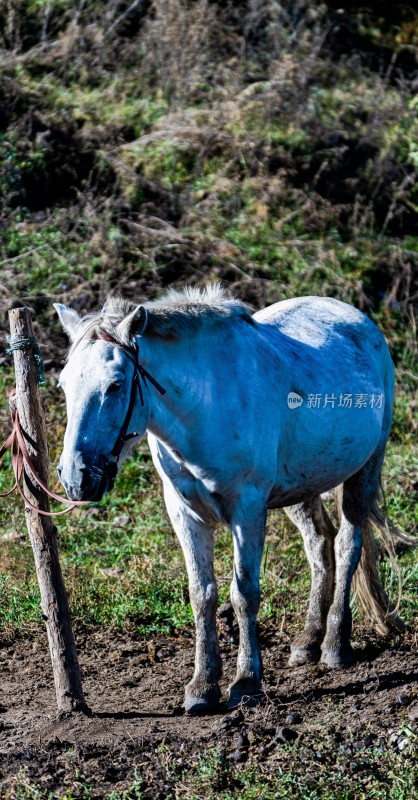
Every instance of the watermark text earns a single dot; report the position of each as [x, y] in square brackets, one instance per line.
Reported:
[332, 400]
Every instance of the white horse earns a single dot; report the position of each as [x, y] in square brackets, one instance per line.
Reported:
[243, 413]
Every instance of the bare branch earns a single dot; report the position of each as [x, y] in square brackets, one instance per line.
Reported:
[123, 16]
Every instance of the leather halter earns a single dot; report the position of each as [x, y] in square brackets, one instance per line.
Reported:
[140, 374]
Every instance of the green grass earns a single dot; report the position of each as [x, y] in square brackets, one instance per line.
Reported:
[214, 777]
[49, 260]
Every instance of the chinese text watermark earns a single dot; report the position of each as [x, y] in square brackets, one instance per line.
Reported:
[331, 400]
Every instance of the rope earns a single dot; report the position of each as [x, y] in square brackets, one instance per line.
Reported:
[29, 343]
[20, 457]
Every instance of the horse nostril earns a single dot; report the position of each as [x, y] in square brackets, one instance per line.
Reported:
[85, 479]
[59, 472]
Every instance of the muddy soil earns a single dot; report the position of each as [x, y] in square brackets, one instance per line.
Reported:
[135, 689]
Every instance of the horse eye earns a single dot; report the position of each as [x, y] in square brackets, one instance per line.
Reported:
[114, 387]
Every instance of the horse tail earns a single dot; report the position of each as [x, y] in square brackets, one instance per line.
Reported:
[368, 590]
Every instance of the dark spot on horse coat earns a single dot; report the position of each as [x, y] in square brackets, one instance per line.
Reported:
[354, 335]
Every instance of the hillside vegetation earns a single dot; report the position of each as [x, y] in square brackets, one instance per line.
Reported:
[271, 145]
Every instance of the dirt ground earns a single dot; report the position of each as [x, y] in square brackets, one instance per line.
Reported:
[135, 689]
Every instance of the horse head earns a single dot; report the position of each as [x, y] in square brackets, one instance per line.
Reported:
[107, 399]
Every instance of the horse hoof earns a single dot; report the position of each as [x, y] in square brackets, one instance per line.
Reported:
[244, 693]
[206, 702]
[304, 655]
[337, 659]
[198, 706]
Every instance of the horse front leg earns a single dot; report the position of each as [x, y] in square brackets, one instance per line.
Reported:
[248, 528]
[202, 693]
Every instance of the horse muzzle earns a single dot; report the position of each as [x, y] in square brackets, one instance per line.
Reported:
[82, 483]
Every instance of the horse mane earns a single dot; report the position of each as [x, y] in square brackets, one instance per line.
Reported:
[177, 313]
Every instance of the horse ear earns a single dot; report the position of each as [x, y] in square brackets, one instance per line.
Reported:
[133, 325]
[69, 319]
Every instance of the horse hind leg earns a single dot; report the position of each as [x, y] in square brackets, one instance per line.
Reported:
[318, 534]
[358, 495]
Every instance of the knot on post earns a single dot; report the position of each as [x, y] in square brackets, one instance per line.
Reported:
[28, 343]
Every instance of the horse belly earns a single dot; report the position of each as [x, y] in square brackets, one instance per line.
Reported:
[316, 456]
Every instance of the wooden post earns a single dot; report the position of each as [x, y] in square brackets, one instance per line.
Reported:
[42, 531]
